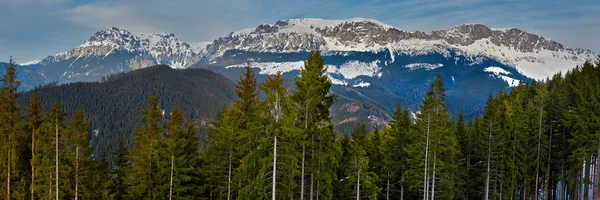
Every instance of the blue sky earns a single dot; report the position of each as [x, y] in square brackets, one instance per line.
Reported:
[34, 29]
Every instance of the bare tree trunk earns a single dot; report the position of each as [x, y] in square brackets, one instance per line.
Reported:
[425, 180]
[302, 174]
[56, 161]
[547, 186]
[537, 168]
[77, 172]
[597, 176]
[229, 177]
[8, 165]
[274, 165]
[303, 155]
[171, 182]
[402, 192]
[312, 177]
[387, 191]
[358, 183]
[586, 186]
[433, 178]
[32, 164]
[487, 180]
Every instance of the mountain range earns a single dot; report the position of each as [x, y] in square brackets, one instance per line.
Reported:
[373, 65]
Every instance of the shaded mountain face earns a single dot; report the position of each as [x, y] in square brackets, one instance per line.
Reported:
[373, 65]
[113, 106]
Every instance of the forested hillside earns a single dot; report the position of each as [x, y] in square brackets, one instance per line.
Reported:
[538, 141]
[113, 105]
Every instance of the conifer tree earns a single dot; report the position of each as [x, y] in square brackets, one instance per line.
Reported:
[220, 156]
[118, 186]
[34, 120]
[9, 132]
[319, 150]
[362, 178]
[142, 176]
[177, 158]
[80, 139]
[396, 156]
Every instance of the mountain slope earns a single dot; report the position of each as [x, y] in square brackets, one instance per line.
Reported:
[113, 106]
[534, 56]
[114, 51]
[372, 65]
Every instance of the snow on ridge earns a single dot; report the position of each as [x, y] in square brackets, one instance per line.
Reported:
[199, 47]
[349, 70]
[362, 84]
[426, 66]
[537, 65]
[31, 62]
[496, 70]
[270, 68]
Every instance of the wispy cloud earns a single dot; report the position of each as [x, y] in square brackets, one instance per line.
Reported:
[37, 28]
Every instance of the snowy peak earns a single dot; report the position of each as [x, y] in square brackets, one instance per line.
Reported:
[114, 38]
[536, 56]
[167, 49]
[144, 49]
[308, 34]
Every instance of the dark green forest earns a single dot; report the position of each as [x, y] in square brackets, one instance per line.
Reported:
[541, 140]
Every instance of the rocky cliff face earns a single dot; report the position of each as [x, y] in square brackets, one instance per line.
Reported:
[525, 51]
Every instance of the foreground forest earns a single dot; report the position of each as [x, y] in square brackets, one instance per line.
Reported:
[541, 140]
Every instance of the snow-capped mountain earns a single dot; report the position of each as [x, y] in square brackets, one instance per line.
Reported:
[535, 56]
[115, 50]
[167, 49]
[371, 64]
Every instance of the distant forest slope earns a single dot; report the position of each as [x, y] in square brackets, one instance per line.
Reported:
[113, 105]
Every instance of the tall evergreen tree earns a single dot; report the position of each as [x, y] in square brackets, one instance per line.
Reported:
[320, 151]
[9, 132]
[118, 186]
[396, 155]
[80, 140]
[142, 176]
[178, 159]
[35, 122]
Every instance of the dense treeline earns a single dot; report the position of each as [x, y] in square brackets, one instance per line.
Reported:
[112, 106]
[540, 141]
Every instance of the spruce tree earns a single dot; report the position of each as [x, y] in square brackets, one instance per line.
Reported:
[177, 159]
[395, 154]
[34, 120]
[142, 176]
[9, 132]
[320, 151]
[118, 185]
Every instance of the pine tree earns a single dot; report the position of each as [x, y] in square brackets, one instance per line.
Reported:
[80, 139]
[282, 136]
[319, 150]
[118, 185]
[396, 156]
[34, 120]
[362, 178]
[438, 144]
[177, 158]
[142, 176]
[220, 156]
[56, 133]
[9, 132]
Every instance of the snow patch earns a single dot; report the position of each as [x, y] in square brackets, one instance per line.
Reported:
[426, 66]
[353, 68]
[496, 70]
[32, 62]
[362, 84]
